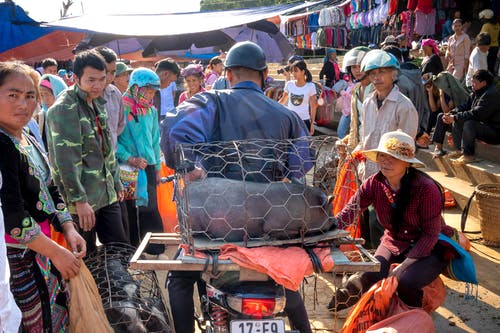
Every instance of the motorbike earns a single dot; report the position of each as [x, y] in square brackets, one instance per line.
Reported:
[211, 214]
[237, 301]
[233, 305]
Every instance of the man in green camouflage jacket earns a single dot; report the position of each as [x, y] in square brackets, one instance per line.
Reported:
[81, 154]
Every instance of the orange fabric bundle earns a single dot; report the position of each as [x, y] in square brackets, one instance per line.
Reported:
[287, 266]
[86, 313]
[372, 307]
[449, 201]
[411, 321]
[379, 308]
[58, 237]
[434, 295]
[345, 187]
[166, 206]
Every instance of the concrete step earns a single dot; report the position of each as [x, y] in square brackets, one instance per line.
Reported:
[488, 152]
[460, 189]
[483, 151]
[484, 171]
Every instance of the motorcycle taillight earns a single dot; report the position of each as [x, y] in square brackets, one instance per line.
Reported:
[258, 307]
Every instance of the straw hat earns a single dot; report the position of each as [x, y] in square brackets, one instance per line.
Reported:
[397, 144]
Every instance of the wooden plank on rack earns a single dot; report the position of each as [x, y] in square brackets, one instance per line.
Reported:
[139, 250]
[166, 238]
[179, 265]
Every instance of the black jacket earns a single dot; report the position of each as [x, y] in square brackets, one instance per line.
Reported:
[328, 70]
[23, 201]
[434, 65]
[482, 106]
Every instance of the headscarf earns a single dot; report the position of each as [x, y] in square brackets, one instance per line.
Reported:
[192, 69]
[54, 83]
[452, 87]
[432, 43]
[328, 52]
[134, 97]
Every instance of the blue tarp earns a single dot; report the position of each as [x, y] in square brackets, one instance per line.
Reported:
[17, 28]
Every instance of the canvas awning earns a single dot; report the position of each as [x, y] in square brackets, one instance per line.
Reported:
[174, 24]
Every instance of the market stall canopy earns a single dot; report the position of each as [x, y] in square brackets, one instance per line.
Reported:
[140, 36]
[23, 38]
[174, 24]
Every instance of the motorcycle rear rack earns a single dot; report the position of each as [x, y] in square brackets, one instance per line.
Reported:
[345, 262]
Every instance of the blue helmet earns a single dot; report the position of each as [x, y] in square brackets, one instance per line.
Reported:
[144, 77]
[378, 59]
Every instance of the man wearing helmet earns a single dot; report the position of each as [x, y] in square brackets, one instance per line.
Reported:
[352, 64]
[242, 112]
[82, 156]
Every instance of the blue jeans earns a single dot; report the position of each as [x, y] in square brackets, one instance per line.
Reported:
[344, 125]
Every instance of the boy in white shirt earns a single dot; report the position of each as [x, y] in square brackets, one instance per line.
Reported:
[478, 58]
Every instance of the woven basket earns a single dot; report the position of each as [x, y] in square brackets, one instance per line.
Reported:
[488, 203]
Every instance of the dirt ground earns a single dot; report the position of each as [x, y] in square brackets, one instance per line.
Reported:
[456, 315]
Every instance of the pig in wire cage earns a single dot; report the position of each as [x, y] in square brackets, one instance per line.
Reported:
[254, 191]
[132, 299]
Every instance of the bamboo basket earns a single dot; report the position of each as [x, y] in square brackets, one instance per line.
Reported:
[488, 203]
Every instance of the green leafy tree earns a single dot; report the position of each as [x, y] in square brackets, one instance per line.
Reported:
[208, 5]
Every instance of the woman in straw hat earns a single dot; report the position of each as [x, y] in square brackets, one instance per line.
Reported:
[408, 204]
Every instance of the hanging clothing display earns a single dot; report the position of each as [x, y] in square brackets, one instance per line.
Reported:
[425, 24]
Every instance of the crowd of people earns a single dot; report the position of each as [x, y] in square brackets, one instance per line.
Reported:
[67, 136]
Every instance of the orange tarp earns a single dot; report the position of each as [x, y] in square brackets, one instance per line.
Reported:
[167, 207]
[58, 45]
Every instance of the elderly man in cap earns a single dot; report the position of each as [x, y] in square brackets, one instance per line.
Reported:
[122, 75]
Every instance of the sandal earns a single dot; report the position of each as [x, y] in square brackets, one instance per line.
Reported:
[438, 153]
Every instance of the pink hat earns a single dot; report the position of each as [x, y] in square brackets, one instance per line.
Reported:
[46, 84]
[432, 43]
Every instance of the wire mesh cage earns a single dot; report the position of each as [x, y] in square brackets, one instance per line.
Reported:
[256, 190]
[132, 299]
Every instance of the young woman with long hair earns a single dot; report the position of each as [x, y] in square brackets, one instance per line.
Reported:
[300, 94]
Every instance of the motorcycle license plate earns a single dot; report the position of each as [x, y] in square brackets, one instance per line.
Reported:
[258, 326]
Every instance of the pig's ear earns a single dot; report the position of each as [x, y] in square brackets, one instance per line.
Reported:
[330, 199]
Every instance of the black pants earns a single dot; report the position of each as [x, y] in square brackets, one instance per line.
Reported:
[432, 121]
[180, 287]
[465, 134]
[440, 130]
[412, 279]
[149, 219]
[492, 59]
[108, 227]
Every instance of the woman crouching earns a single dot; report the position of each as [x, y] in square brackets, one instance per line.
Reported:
[408, 204]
